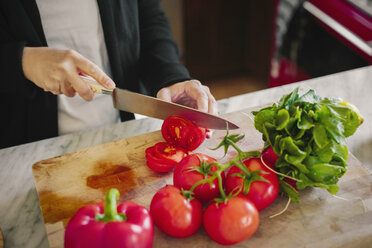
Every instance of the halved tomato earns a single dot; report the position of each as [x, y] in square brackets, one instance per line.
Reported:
[163, 157]
[182, 133]
[164, 150]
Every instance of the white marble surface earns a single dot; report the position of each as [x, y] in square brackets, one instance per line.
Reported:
[20, 216]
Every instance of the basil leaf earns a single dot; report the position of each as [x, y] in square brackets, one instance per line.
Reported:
[326, 173]
[350, 119]
[320, 135]
[288, 146]
[282, 118]
[263, 117]
[306, 122]
[332, 123]
[306, 182]
[287, 100]
[289, 190]
[310, 97]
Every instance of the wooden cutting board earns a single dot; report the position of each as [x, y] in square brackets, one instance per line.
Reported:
[68, 182]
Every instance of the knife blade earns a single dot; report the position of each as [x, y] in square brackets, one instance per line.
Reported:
[154, 107]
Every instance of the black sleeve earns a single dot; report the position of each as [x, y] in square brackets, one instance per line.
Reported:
[11, 71]
[159, 55]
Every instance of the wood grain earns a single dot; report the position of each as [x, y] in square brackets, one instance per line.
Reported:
[68, 182]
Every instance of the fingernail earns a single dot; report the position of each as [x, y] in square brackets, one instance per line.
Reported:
[110, 84]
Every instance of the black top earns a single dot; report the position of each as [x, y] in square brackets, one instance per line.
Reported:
[143, 58]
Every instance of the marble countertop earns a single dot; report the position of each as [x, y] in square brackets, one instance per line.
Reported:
[20, 216]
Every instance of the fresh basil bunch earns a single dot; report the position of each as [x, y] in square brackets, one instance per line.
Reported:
[309, 135]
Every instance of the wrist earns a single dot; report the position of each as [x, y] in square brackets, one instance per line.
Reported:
[24, 61]
[27, 61]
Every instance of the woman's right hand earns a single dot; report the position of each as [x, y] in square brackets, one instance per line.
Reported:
[57, 71]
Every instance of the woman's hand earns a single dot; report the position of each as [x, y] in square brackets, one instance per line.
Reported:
[57, 71]
[190, 93]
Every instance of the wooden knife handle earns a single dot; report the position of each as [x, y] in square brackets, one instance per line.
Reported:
[95, 86]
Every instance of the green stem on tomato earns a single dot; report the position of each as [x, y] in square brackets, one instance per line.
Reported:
[232, 143]
[238, 163]
[241, 156]
[217, 174]
[206, 180]
[243, 168]
[110, 209]
[220, 186]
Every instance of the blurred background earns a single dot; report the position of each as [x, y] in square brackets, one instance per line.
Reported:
[239, 46]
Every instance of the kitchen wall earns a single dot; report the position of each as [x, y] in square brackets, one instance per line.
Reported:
[218, 38]
[174, 10]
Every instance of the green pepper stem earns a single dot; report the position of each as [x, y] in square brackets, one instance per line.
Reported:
[110, 209]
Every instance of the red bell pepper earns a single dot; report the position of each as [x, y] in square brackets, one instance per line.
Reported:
[98, 225]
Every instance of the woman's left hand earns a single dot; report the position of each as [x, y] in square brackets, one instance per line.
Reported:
[190, 93]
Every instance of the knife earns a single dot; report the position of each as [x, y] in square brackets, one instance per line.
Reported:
[154, 107]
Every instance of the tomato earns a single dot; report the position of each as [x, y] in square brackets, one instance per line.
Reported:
[166, 151]
[269, 156]
[261, 193]
[174, 214]
[185, 176]
[231, 222]
[163, 157]
[182, 133]
[182, 136]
